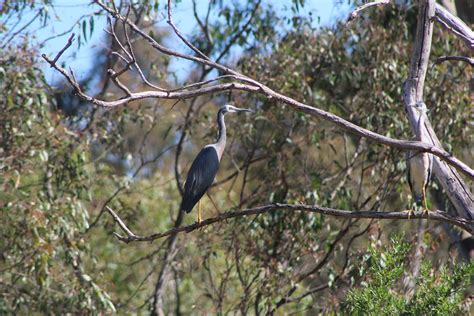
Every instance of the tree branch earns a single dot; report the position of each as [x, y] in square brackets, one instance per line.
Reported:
[256, 87]
[454, 24]
[355, 14]
[442, 59]
[433, 215]
[451, 182]
[180, 35]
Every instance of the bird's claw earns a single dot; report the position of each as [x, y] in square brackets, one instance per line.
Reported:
[409, 212]
[427, 212]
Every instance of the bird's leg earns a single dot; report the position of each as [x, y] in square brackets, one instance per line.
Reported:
[425, 205]
[199, 212]
[410, 212]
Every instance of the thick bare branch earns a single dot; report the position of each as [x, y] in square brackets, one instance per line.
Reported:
[434, 215]
[451, 182]
[454, 24]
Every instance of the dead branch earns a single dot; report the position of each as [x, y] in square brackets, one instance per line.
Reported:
[433, 215]
[180, 35]
[454, 24]
[450, 180]
[59, 54]
[355, 14]
[442, 59]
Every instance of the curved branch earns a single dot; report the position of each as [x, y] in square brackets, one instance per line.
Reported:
[256, 87]
[465, 59]
[355, 14]
[432, 215]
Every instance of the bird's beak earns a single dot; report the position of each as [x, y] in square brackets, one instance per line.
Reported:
[244, 110]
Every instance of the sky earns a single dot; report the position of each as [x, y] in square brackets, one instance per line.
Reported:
[68, 12]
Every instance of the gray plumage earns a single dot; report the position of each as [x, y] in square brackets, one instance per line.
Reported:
[419, 174]
[200, 177]
[420, 164]
[206, 164]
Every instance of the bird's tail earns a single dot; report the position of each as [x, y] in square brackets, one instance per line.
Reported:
[184, 207]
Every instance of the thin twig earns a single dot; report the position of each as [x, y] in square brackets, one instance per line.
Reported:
[204, 27]
[114, 76]
[442, 59]
[21, 29]
[180, 35]
[68, 44]
[70, 29]
[202, 83]
[236, 36]
[355, 14]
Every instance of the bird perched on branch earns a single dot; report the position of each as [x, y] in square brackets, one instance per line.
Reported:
[204, 167]
[420, 164]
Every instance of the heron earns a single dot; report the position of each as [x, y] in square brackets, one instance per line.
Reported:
[206, 164]
[420, 164]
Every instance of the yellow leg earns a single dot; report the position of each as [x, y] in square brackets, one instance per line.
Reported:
[425, 205]
[199, 212]
[424, 199]
[410, 213]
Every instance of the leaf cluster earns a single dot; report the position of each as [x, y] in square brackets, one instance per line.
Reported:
[438, 291]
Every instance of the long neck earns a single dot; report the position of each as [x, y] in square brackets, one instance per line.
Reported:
[419, 129]
[221, 139]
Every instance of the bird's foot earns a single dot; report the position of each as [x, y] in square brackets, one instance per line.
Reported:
[427, 212]
[199, 219]
[410, 212]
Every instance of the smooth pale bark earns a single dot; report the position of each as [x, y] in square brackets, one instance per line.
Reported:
[454, 186]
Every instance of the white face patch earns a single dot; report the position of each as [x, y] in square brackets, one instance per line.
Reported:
[230, 108]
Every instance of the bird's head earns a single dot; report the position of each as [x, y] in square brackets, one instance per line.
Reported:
[421, 107]
[229, 108]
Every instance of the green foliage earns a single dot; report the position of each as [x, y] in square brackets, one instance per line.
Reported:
[383, 292]
[43, 213]
[62, 161]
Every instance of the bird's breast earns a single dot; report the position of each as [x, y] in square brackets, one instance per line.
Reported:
[219, 150]
[419, 164]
